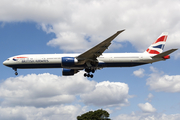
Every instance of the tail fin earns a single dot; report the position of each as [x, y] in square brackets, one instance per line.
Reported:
[158, 46]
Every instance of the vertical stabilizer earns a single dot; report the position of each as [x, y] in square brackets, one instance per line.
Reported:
[158, 46]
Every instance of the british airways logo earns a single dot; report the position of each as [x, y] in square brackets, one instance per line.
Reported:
[16, 58]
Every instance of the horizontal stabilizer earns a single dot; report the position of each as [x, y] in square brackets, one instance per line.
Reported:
[164, 53]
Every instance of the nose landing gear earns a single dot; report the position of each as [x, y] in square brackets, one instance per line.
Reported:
[16, 73]
[15, 69]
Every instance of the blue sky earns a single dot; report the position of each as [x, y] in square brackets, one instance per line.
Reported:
[148, 91]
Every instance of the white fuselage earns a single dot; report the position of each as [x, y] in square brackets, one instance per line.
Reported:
[55, 60]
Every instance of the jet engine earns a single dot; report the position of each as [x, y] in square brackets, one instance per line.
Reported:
[68, 61]
[69, 72]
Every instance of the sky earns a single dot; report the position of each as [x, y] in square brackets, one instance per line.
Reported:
[148, 92]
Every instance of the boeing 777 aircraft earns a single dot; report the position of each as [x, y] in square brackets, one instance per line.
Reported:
[92, 59]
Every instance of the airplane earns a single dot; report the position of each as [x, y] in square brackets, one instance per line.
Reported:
[93, 59]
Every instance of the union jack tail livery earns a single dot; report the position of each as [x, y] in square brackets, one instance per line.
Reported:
[158, 46]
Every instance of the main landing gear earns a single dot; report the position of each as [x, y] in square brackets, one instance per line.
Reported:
[88, 70]
[88, 75]
[15, 69]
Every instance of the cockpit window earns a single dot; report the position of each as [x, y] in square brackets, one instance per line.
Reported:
[7, 59]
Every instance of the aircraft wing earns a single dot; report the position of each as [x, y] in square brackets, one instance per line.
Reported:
[164, 53]
[97, 50]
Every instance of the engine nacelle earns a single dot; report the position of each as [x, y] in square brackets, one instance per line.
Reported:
[68, 61]
[68, 72]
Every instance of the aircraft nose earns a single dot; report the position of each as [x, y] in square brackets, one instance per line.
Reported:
[5, 63]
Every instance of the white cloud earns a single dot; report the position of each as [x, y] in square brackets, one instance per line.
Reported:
[147, 107]
[72, 21]
[150, 96]
[43, 90]
[68, 41]
[154, 70]
[158, 81]
[152, 116]
[47, 96]
[127, 117]
[107, 94]
[139, 73]
[60, 112]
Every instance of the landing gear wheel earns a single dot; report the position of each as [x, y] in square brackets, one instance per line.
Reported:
[16, 73]
[15, 69]
[88, 75]
[91, 75]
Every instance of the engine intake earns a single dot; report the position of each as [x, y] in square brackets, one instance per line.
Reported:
[69, 61]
